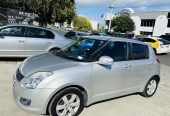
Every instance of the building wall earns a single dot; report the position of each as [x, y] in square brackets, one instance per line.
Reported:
[160, 26]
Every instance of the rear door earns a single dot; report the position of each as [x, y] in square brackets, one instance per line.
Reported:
[139, 65]
[12, 41]
[38, 41]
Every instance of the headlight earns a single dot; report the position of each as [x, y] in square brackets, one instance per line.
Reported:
[35, 79]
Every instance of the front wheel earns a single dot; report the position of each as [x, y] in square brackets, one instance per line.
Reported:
[150, 88]
[69, 102]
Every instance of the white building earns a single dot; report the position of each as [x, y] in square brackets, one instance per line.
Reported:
[94, 24]
[154, 23]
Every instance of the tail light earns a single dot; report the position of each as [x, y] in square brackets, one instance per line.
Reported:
[158, 61]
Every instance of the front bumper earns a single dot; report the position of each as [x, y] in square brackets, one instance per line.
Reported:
[39, 98]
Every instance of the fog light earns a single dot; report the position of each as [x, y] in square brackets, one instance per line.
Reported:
[25, 102]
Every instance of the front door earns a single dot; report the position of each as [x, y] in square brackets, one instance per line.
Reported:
[110, 80]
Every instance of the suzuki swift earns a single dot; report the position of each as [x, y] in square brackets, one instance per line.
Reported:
[89, 70]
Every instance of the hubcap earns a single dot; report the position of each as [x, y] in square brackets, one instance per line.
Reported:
[68, 105]
[151, 87]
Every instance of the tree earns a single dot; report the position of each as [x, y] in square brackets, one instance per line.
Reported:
[82, 24]
[48, 11]
[123, 24]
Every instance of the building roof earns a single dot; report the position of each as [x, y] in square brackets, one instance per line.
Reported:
[150, 15]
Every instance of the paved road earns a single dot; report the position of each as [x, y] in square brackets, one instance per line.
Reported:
[164, 59]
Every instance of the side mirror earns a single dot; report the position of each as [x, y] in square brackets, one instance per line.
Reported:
[105, 60]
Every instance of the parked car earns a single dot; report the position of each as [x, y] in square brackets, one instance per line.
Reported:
[25, 40]
[164, 46]
[69, 28]
[167, 37]
[159, 45]
[74, 34]
[99, 34]
[87, 71]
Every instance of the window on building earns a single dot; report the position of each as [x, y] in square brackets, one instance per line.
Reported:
[148, 22]
[145, 33]
[169, 15]
[168, 23]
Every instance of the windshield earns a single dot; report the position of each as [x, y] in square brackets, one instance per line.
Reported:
[82, 49]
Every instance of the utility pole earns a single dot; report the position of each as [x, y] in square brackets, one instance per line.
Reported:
[111, 7]
[110, 22]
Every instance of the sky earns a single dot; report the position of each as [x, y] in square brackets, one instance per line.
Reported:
[93, 9]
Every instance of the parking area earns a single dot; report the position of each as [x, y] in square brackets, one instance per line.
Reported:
[132, 105]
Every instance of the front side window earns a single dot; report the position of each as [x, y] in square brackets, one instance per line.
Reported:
[115, 50]
[14, 31]
[139, 51]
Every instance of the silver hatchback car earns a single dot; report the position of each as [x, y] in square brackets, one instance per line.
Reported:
[89, 70]
[25, 40]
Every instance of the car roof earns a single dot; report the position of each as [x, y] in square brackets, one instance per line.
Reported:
[114, 39]
[26, 25]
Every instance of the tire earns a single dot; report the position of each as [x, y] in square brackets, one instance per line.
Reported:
[54, 50]
[150, 88]
[68, 101]
[155, 51]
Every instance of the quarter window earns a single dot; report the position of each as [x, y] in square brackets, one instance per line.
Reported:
[139, 52]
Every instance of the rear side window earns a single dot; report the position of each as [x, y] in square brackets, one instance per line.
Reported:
[138, 52]
[39, 33]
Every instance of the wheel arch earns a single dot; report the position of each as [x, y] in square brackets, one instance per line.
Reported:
[71, 86]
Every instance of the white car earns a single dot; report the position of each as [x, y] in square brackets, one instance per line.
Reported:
[69, 29]
[164, 46]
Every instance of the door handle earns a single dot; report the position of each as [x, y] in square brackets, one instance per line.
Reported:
[21, 41]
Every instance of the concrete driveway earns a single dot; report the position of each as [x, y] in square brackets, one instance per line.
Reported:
[133, 105]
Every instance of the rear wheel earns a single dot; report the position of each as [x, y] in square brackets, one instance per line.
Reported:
[69, 102]
[150, 88]
[155, 50]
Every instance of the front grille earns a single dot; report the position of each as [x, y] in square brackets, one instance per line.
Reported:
[19, 76]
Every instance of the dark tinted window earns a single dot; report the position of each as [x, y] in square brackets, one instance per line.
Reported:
[148, 40]
[116, 50]
[168, 23]
[15, 31]
[148, 22]
[49, 35]
[39, 33]
[139, 51]
[169, 15]
[70, 34]
[164, 41]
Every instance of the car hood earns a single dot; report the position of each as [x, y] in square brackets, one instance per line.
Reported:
[44, 63]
